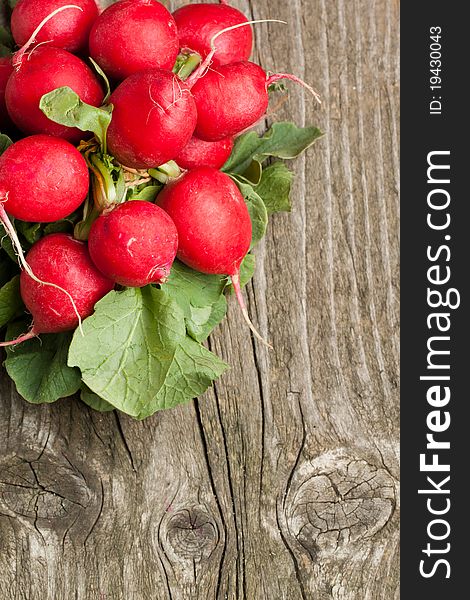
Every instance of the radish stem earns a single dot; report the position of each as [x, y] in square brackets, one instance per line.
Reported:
[32, 333]
[241, 301]
[279, 76]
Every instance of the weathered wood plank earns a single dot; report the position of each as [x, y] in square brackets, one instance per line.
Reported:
[281, 483]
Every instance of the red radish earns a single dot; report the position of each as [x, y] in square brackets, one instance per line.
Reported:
[135, 244]
[74, 285]
[198, 23]
[232, 98]
[6, 69]
[42, 179]
[132, 36]
[229, 99]
[153, 119]
[198, 153]
[44, 69]
[213, 223]
[212, 220]
[68, 29]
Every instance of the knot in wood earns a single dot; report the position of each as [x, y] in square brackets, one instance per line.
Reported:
[340, 501]
[43, 490]
[191, 534]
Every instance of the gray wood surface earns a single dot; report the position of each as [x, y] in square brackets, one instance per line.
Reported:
[281, 482]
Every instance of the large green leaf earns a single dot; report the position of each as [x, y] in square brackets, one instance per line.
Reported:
[283, 140]
[135, 353]
[275, 186]
[247, 269]
[199, 296]
[191, 372]
[94, 401]
[257, 210]
[39, 366]
[202, 320]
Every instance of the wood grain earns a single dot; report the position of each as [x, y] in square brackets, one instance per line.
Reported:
[282, 481]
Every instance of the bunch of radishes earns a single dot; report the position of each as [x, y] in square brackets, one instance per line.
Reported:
[130, 116]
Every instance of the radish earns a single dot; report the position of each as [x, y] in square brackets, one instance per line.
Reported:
[213, 223]
[42, 179]
[212, 220]
[135, 244]
[198, 153]
[198, 23]
[74, 285]
[232, 98]
[229, 99]
[69, 29]
[153, 119]
[132, 36]
[45, 69]
[6, 69]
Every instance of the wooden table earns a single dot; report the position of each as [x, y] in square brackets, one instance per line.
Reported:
[281, 482]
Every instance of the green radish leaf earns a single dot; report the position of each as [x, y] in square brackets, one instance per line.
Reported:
[192, 371]
[39, 366]
[283, 140]
[94, 401]
[135, 353]
[128, 346]
[5, 142]
[275, 186]
[203, 320]
[11, 304]
[65, 107]
[247, 269]
[62, 226]
[12, 3]
[253, 173]
[191, 287]
[199, 296]
[257, 210]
